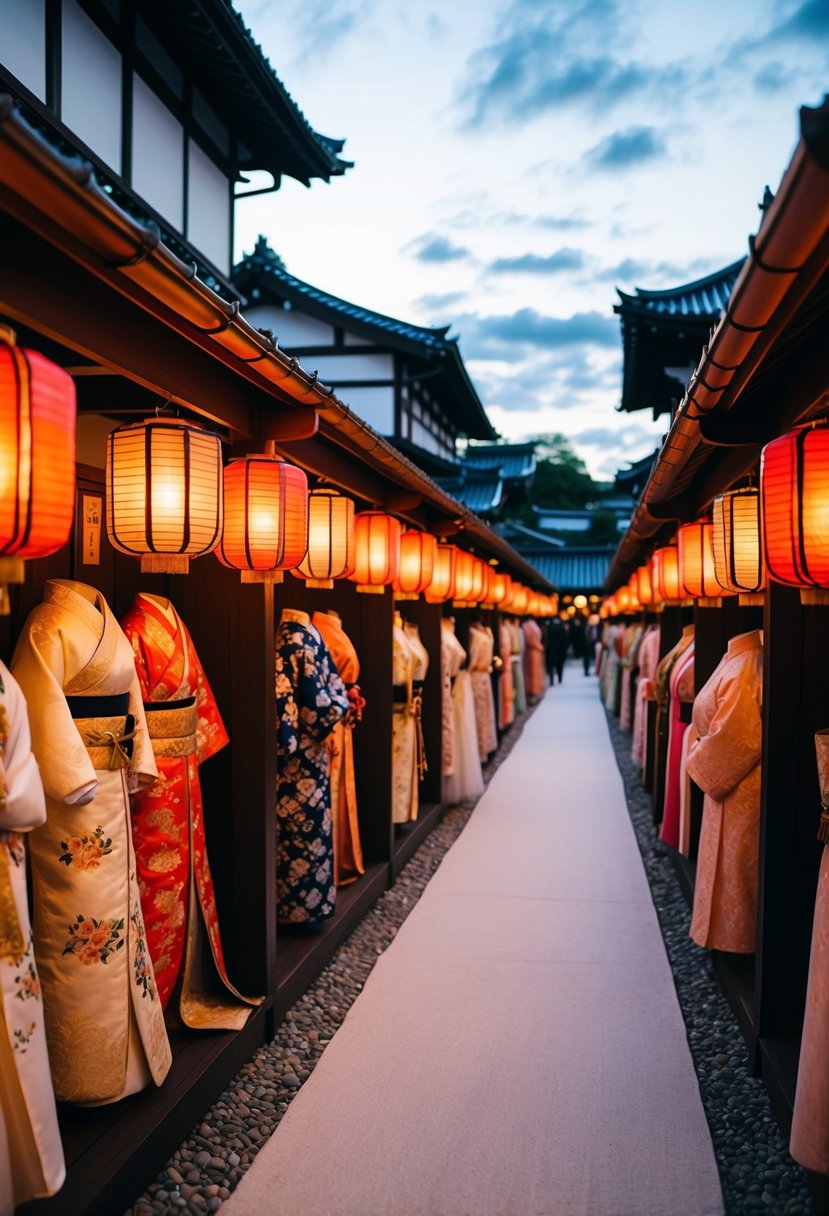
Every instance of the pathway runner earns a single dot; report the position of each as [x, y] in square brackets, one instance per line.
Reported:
[519, 1049]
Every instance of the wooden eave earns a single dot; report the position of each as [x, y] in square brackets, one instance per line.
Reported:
[75, 264]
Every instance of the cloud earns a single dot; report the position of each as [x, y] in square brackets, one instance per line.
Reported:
[809, 21]
[563, 259]
[528, 327]
[439, 301]
[545, 56]
[321, 25]
[432, 247]
[625, 437]
[773, 77]
[631, 271]
[621, 149]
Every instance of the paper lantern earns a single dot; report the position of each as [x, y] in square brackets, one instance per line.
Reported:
[501, 586]
[265, 517]
[442, 586]
[376, 551]
[465, 576]
[794, 488]
[164, 492]
[330, 551]
[644, 587]
[520, 599]
[695, 554]
[37, 458]
[665, 573]
[624, 599]
[417, 564]
[738, 542]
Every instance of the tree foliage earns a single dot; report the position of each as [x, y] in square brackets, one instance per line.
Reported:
[561, 481]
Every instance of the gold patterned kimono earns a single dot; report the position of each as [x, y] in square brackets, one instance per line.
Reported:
[177, 894]
[452, 655]
[345, 823]
[535, 680]
[104, 1021]
[481, 651]
[724, 761]
[506, 688]
[31, 1153]
[404, 730]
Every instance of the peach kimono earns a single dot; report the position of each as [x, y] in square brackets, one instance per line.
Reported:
[535, 680]
[345, 824]
[481, 653]
[104, 1020]
[648, 662]
[31, 1153]
[681, 693]
[724, 761]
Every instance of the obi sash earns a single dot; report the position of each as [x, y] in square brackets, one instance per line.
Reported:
[106, 728]
[172, 727]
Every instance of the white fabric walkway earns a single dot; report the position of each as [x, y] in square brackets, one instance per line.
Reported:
[519, 1049]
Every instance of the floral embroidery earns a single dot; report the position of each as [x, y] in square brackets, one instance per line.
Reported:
[144, 977]
[22, 1038]
[92, 940]
[28, 985]
[85, 852]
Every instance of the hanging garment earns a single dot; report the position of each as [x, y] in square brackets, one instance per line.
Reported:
[534, 666]
[517, 667]
[467, 781]
[405, 782]
[452, 655]
[648, 661]
[345, 823]
[506, 688]
[688, 740]
[419, 672]
[630, 663]
[609, 678]
[310, 700]
[104, 1020]
[177, 895]
[725, 763]
[481, 649]
[680, 701]
[662, 685]
[810, 1123]
[31, 1153]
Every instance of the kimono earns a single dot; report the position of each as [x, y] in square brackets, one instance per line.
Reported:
[630, 660]
[31, 1153]
[517, 667]
[662, 685]
[506, 688]
[310, 701]
[177, 895]
[404, 802]
[810, 1124]
[452, 655]
[345, 824]
[609, 677]
[104, 1020]
[725, 763]
[681, 693]
[648, 660]
[465, 781]
[481, 647]
[420, 656]
[534, 660]
[688, 740]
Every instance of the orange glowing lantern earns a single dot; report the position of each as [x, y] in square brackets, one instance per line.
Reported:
[665, 573]
[644, 587]
[330, 552]
[520, 599]
[376, 551]
[794, 488]
[265, 517]
[417, 564]
[37, 458]
[501, 587]
[695, 553]
[624, 599]
[164, 492]
[465, 576]
[442, 586]
[738, 544]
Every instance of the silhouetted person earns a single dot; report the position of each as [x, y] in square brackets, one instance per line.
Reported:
[557, 644]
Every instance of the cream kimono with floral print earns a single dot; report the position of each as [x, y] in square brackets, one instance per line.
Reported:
[31, 1153]
[104, 1021]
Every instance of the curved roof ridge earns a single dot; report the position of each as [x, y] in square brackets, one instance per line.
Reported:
[715, 278]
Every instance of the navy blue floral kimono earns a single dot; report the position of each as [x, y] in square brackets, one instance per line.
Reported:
[310, 700]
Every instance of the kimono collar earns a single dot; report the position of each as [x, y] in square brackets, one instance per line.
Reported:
[82, 601]
[688, 631]
[294, 616]
[160, 609]
[745, 641]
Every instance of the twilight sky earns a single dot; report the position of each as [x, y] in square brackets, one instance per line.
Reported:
[517, 160]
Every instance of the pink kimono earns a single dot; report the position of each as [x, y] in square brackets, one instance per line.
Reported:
[648, 662]
[682, 691]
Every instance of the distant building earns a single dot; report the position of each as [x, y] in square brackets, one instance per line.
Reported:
[492, 475]
[663, 333]
[575, 570]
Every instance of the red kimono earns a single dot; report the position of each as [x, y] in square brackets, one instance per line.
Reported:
[177, 895]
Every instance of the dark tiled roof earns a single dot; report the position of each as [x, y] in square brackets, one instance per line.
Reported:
[572, 569]
[515, 460]
[264, 271]
[705, 298]
[236, 77]
[632, 479]
[519, 534]
[481, 491]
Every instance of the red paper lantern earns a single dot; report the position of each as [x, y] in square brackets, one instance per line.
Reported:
[37, 454]
[376, 551]
[501, 586]
[695, 553]
[794, 487]
[520, 599]
[464, 576]
[665, 573]
[417, 563]
[644, 587]
[265, 517]
[442, 586]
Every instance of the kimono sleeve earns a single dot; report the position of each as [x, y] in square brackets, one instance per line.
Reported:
[143, 769]
[38, 667]
[287, 710]
[25, 806]
[211, 735]
[732, 747]
[320, 692]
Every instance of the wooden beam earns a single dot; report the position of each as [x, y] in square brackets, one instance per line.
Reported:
[402, 500]
[291, 426]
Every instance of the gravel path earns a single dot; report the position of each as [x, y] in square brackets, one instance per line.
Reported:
[756, 1171]
[207, 1167]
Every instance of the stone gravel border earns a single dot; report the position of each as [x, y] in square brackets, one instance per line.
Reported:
[209, 1164]
[756, 1171]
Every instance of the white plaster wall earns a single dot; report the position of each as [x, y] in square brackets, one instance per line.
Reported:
[23, 42]
[352, 367]
[208, 213]
[374, 405]
[292, 328]
[91, 85]
[157, 154]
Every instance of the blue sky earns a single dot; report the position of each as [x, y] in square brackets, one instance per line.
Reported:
[517, 160]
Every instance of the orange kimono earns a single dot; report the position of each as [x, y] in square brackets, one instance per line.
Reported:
[725, 763]
[348, 851]
[177, 895]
